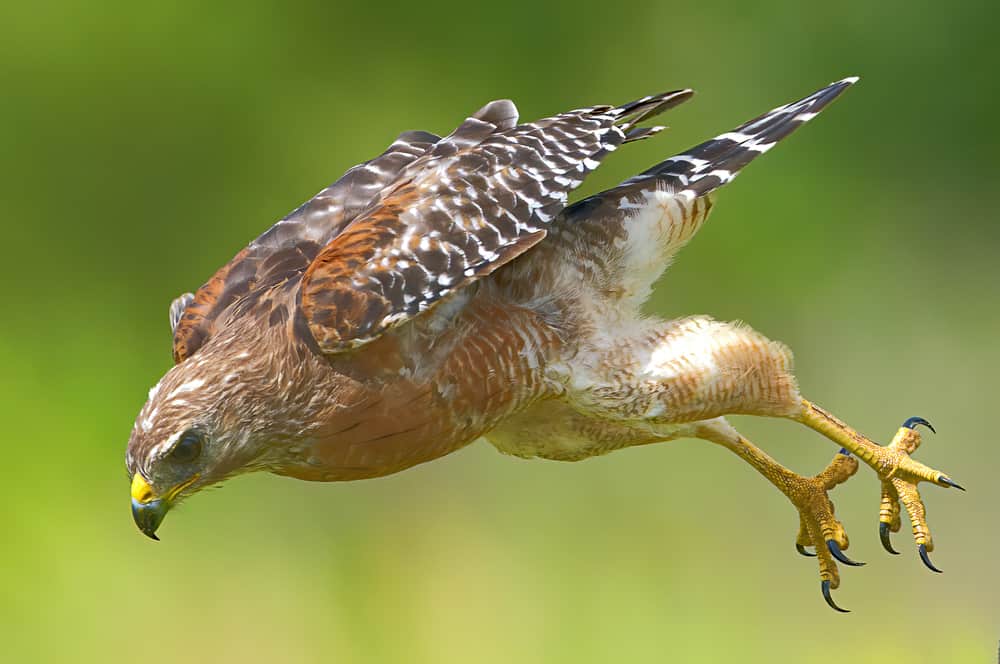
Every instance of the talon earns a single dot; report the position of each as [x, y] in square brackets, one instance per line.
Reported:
[844, 451]
[914, 421]
[883, 534]
[922, 548]
[802, 551]
[839, 555]
[949, 482]
[825, 587]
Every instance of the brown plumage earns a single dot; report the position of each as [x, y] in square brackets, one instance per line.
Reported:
[445, 291]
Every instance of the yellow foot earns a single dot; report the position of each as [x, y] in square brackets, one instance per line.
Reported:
[898, 489]
[899, 473]
[818, 527]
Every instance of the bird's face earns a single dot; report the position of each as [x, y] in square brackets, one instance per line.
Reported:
[196, 429]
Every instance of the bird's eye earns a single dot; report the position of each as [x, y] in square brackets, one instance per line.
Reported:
[188, 448]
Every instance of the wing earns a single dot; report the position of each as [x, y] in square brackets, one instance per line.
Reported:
[287, 248]
[480, 197]
[716, 162]
[624, 238]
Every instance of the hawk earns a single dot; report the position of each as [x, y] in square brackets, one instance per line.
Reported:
[447, 291]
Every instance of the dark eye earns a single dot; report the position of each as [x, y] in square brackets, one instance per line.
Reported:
[188, 448]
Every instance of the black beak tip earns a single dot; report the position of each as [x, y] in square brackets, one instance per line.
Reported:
[148, 516]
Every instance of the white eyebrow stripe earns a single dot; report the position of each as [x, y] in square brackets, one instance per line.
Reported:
[189, 386]
[165, 445]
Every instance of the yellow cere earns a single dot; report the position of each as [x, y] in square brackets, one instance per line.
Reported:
[141, 491]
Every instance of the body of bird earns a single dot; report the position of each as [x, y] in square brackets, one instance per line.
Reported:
[447, 291]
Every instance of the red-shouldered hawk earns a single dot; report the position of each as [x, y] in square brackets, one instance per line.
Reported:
[446, 290]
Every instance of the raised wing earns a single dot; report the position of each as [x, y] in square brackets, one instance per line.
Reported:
[477, 199]
[289, 246]
[709, 165]
[624, 238]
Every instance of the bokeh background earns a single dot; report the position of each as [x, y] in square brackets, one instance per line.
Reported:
[141, 145]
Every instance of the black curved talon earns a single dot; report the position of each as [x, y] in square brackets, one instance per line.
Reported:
[883, 534]
[947, 481]
[922, 548]
[825, 587]
[839, 555]
[802, 551]
[912, 423]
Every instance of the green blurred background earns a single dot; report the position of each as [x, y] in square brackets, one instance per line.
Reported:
[143, 145]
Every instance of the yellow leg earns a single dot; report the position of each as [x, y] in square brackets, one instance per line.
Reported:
[817, 525]
[899, 473]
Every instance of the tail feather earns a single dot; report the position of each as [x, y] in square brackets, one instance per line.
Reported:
[716, 162]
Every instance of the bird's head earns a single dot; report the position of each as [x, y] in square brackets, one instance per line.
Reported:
[205, 421]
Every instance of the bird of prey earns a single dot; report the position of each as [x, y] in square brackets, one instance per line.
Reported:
[447, 291]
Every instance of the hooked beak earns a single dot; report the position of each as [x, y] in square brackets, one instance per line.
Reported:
[147, 510]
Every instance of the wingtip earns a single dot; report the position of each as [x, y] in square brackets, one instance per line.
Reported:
[850, 80]
[636, 112]
[674, 97]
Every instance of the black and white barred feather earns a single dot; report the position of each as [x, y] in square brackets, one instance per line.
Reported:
[714, 163]
[431, 215]
[480, 197]
[623, 238]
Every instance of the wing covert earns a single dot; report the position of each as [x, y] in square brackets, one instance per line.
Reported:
[287, 248]
[477, 199]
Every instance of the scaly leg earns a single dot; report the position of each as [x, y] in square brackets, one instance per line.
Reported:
[817, 525]
[899, 473]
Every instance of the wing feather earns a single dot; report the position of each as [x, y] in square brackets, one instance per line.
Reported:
[609, 235]
[480, 197]
[287, 248]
